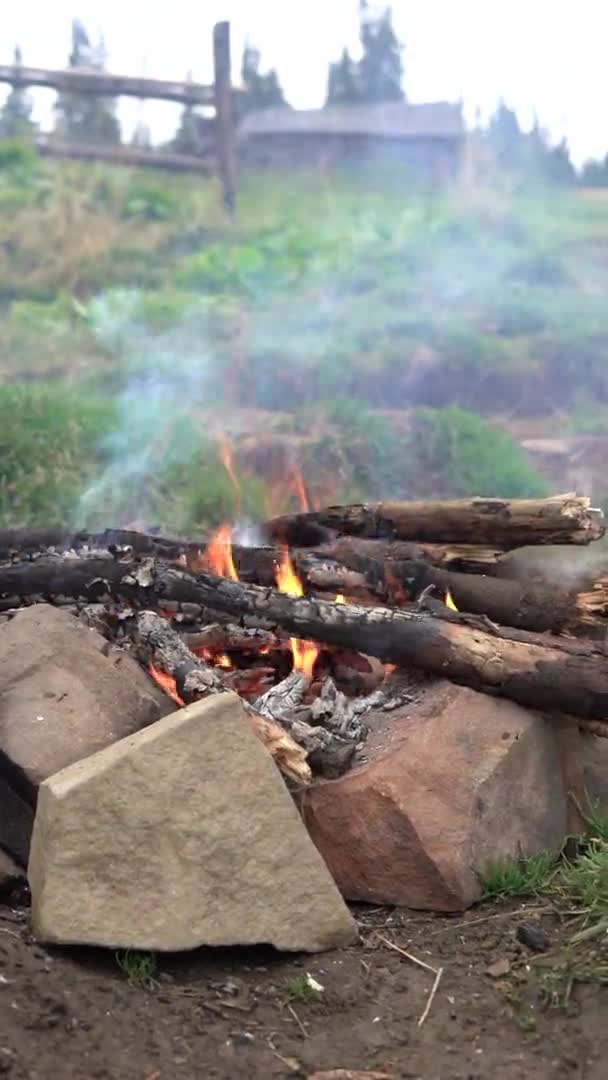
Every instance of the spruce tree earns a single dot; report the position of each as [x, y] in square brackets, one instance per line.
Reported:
[16, 113]
[86, 118]
[380, 70]
[343, 81]
[262, 89]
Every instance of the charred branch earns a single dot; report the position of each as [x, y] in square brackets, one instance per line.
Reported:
[505, 523]
[158, 644]
[537, 672]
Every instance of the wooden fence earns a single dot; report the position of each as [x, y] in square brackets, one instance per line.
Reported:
[219, 159]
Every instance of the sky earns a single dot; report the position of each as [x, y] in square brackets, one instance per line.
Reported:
[546, 56]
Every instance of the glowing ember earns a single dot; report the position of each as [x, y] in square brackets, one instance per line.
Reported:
[225, 456]
[218, 555]
[304, 652]
[166, 683]
[340, 599]
[223, 660]
[449, 601]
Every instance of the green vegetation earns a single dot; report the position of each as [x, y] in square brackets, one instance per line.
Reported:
[373, 326]
[576, 888]
[138, 967]
[526, 877]
[302, 990]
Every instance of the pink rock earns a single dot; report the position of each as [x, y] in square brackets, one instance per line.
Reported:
[453, 783]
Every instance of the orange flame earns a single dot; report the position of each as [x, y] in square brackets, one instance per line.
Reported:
[225, 456]
[300, 488]
[304, 652]
[339, 599]
[166, 683]
[449, 601]
[218, 555]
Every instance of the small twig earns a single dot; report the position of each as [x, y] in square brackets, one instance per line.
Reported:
[431, 997]
[487, 918]
[408, 956]
[298, 1021]
[437, 972]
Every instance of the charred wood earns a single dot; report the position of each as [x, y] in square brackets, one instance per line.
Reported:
[160, 645]
[505, 523]
[541, 673]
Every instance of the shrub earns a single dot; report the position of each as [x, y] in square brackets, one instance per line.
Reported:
[48, 446]
[452, 452]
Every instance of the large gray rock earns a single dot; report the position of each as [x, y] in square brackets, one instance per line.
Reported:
[181, 835]
[62, 698]
[453, 783]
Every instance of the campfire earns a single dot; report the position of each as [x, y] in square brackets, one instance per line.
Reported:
[338, 630]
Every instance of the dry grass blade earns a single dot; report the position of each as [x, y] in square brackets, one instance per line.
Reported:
[431, 997]
[409, 956]
[437, 972]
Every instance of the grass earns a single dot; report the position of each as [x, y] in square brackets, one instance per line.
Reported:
[577, 888]
[138, 967]
[300, 989]
[134, 290]
[526, 877]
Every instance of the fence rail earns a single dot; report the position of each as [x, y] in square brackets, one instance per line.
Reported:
[222, 159]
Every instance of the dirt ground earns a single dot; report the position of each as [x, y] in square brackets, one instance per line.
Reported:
[243, 1013]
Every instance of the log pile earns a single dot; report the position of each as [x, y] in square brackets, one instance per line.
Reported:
[416, 587]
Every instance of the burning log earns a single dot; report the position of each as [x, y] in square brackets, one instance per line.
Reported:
[504, 523]
[161, 647]
[546, 674]
[505, 601]
[355, 552]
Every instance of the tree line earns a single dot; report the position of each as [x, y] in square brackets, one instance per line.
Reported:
[376, 76]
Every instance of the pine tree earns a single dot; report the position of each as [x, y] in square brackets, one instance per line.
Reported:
[506, 139]
[343, 81]
[16, 114]
[262, 90]
[595, 173]
[86, 117]
[380, 69]
[186, 139]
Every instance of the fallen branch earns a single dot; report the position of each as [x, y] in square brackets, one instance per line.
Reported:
[506, 523]
[552, 674]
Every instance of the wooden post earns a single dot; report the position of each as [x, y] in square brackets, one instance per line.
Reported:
[224, 123]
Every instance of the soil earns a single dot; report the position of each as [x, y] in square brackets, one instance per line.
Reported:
[500, 1010]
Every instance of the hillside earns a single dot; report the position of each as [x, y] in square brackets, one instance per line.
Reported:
[375, 330]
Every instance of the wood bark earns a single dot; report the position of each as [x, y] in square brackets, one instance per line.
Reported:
[353, 551]
[158, 644]
[505, 601]
[508, 602]
[505, 523]
[540, 673]
[135, 157]
[71, 81]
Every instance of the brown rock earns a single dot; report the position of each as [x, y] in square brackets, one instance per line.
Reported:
[595, 763]
[181, 835]
[62, 697]
[452, 784]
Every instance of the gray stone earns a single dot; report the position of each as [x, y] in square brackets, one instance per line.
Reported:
[62, 698]
[181, 835]
[453, 783]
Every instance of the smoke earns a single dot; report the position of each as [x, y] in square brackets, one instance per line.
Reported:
[163, 379]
